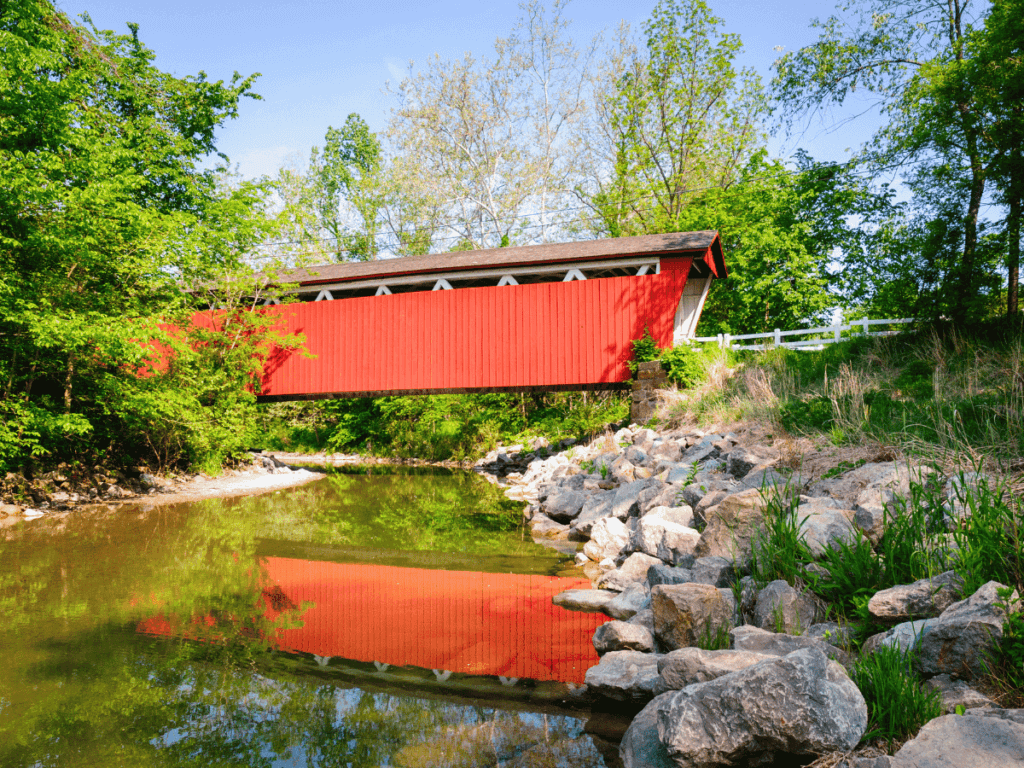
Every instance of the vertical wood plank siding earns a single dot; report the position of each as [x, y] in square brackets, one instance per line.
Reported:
[547, 334]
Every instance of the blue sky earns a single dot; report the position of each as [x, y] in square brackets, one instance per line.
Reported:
[321, 59]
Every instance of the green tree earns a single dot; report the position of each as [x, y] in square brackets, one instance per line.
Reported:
[681, 119]
[346, 176]
[108, 215]
[913, 58]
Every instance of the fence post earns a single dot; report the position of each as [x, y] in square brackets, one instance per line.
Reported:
[778, 337]
[865, 326]
[728, 343]
[721, 341]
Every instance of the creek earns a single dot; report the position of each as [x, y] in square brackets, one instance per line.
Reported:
[381, 616]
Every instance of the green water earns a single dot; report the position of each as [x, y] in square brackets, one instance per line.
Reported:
[81, 686]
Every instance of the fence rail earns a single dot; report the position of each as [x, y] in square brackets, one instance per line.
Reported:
[855, 328]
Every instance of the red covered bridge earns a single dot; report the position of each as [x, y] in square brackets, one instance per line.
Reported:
[535, 318]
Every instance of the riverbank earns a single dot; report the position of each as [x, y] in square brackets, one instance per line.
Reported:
[789, 597]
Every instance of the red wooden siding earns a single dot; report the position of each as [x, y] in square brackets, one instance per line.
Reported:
[548, 334]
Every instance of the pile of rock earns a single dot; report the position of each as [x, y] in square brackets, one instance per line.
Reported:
[667, 524]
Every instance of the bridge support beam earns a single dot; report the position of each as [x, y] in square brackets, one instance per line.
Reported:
[650, 377]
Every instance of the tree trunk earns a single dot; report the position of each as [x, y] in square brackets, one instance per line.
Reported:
[1013, 232]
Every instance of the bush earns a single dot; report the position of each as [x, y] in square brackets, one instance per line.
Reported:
[687, 365]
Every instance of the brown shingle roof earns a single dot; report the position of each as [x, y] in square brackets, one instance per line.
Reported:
[587, 250]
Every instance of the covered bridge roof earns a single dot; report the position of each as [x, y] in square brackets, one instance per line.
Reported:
[523, 256]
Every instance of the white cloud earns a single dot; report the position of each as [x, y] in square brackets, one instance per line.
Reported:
[396, 68]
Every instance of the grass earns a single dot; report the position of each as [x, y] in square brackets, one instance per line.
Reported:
[951, 396]
[898, 705]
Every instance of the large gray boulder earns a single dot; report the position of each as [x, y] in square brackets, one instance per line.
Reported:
[686, 666]
[584, 600]
[629, 676]
[800, 704]
[622, 636]
[633, 599]
[714, 570]
[958, 641]
[755, 640]
[564, 504]
[597, 506]
[668, 541]
[731, 526]
[662, 495]
[627, 498]
[633, 569]
[962, 741]
[781, 608]
[921, 600]
[690, 614]
[544, 527]
[741, 460]
[824, 526]
[641, 746]
[681, 515]
[608, 538]
[659, 573]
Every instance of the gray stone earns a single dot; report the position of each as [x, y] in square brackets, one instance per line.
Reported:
[846, 488]
[634, 598]
[687, 666]
[644, 618]
[669, 450]
[633, 570]
[714, 570]
[871, 509]
[748, 638]
[688, 614]
[641, 746]
[823, 527]
[622, 636]
[608, 538]
[660, 573]
[681, 515]
[968, 741]
[679, 474]
[705, 449]
[622, 470]
[731, 525]
[586, 600]
[665, 495]
[692, 493]
[742, 460]
[769, 480]
[874, 761]
[801, 703]
[543, 526]
[626, 501]
[781, 608]
[668, 541]
[957, 693]
[957, 642]
[923, 599]
[624, 676]
[904, 636]
[564, 504]
[597, 506]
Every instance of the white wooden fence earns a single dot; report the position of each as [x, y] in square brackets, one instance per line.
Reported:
[855, 328]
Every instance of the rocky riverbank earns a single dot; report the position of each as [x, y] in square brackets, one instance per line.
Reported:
[727, 671]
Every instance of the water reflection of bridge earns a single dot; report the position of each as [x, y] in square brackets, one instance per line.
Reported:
[464, 622]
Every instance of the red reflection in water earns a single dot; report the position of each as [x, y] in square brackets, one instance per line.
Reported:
[461, 621]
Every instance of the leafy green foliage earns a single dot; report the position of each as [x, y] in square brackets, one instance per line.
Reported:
[645, 349]
[898, 705]
[778, 549]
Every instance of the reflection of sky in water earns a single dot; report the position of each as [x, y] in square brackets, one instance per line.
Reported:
[433, 732]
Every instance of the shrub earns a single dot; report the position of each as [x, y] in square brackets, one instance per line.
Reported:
[645, 349]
